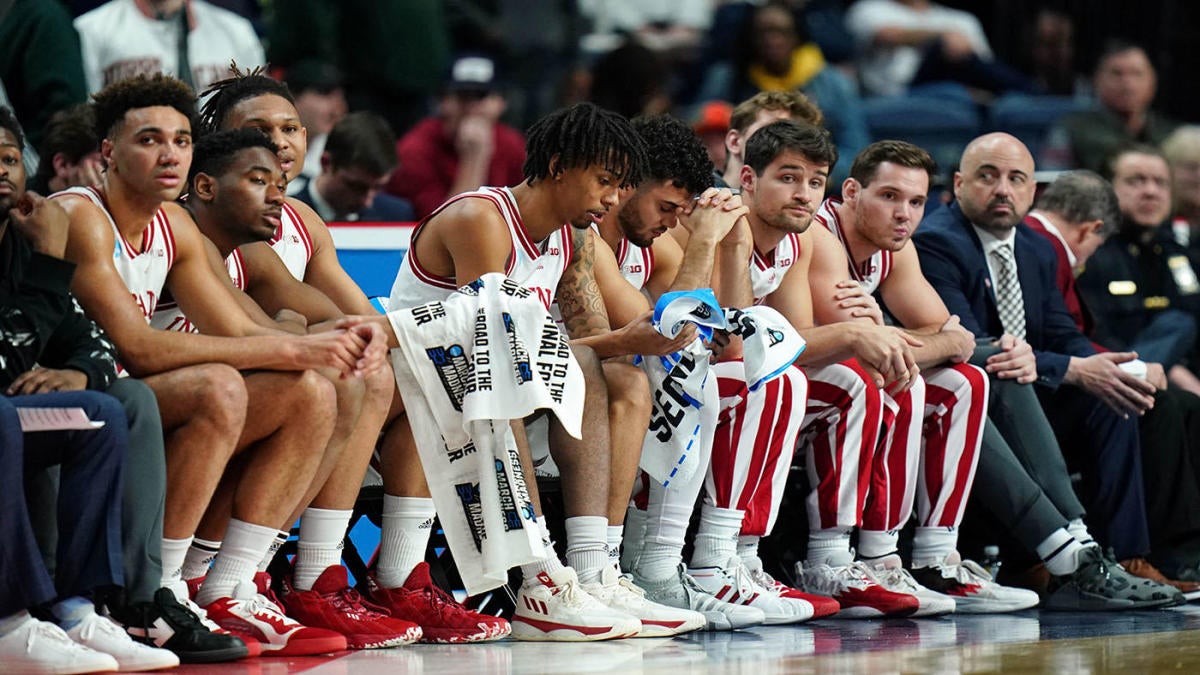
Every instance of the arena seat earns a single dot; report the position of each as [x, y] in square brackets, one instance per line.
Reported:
[941, 125]
[1029, 118]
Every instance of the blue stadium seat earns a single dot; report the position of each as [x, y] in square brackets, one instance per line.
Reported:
[1029, 118]
[941, 125]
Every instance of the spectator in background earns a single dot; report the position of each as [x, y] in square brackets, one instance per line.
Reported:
[661, 26]
[751, 115]
[356, 165]
[631, 80]
[772, 55]
[906, 42]
[41, 70]
[463, 146]
[1052, 54]
[393, 53]
[190, 39]
[1140, 286]
[1125, 83]
[711, 125]
[1182, 149]
[321, 101]
[70, 152]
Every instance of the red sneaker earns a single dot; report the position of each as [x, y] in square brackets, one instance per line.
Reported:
[442, 619]
[856, 590]
[822, 606]
[333, 604]
[250, 615]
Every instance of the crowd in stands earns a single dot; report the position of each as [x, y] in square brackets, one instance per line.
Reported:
[213, 383]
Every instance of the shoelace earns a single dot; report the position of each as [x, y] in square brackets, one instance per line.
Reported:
[969, 572]
[350, 600]
[630, 587]
[189, 614]
[259, 603]
[50, 633]
[897, 579]
[102, 625]
[441, 601]
[764, 579]
[855, 575]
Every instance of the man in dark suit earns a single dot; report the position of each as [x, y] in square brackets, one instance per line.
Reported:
[998, 277]
[359, 158]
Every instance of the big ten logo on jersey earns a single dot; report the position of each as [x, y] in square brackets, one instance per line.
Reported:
[146, 302]
[523, 371]
[554, 357]
[468, 495]
[453, 370]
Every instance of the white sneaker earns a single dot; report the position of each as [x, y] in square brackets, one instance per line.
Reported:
[104, 635]
[972, 587]
[40, 647]
[619, 593]
[556, 608]
[822, 605]
[857, 591]
[890, 573]
[681, 591]
[733, 584]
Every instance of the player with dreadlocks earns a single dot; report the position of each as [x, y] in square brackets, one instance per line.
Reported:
[577, 161]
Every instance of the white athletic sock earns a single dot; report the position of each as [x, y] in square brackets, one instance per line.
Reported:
[587, 553]
[1060, 552]
[874, 544]
[199, 557]
[550, 563]
[174, 552]
[932, 545]
[616, 533]
[829, 547]
[1079, 530]
[280, 539]
[244, 545]
[407, 522]
[716, 538]
[635, 538]
[747, 550]
[320, 546]
[666, 529]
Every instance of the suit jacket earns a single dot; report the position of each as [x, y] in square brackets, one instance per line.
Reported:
[384, 209]
[1065, 280]
[952, 259]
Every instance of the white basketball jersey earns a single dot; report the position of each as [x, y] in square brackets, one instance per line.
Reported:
[637, 263]
[535, 265]
[871, 272]
[766, 275]
[143, 270]
[169, 316]
[292, 242]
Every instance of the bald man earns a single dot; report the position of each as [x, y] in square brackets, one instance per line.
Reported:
[998, 277]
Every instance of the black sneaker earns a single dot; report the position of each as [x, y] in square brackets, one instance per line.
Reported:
[1100, 584]
[165, 622]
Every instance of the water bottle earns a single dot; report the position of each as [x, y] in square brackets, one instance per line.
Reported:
[991, 560]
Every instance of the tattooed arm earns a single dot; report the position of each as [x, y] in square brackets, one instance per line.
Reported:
[582, 306]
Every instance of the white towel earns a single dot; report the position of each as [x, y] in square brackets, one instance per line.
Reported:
[466, 366]
[678, 382]
[677, 387]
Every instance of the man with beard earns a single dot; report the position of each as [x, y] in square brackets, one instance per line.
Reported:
[676, 193]
[578, 159]
[998, 278]
[866, 237]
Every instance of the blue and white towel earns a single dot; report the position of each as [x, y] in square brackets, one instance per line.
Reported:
[465, 367]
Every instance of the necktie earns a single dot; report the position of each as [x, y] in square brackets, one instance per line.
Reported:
[1008, 292]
